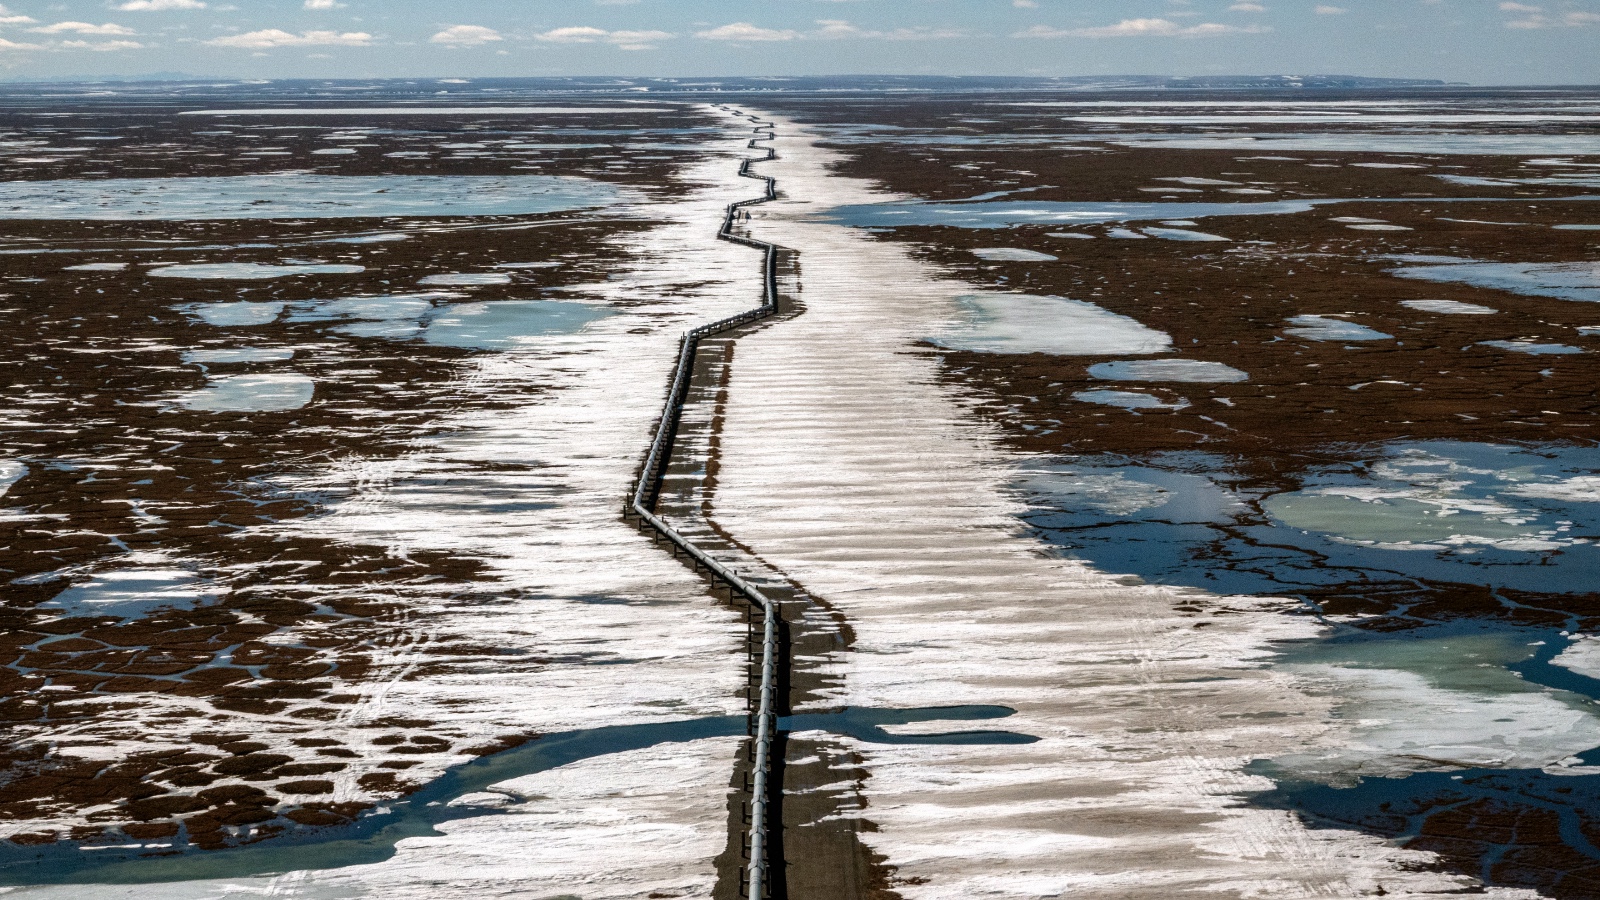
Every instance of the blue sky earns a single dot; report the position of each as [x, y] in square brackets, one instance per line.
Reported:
[1478, 41]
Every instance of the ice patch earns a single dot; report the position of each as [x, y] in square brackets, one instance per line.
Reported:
[11, 472]
[98, 267]
[467, 279]
[239, 355]
[1581, 656]
[1449, 307]
[349, 111]
[249, 271]
[1324, 328]
[1475, 490]
[1533, 349]
[1482, 144]
[504, 324]
[300, 196]
[1128, 400]
[1111, 494]
[1422, 704]
[1180, 234]
[1006, 213]
[1437, 499]
[1012, 254]
[1020, 323]
[492, 325]
[1583, 489]
[235, 313]
[252, 393]
[149, 584]
[1201, 181]
[396, 316]
[1178, 370]
[1376, 227]
[381, 238]
[1563, 281]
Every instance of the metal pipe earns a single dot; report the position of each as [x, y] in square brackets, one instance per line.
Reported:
[645, 493]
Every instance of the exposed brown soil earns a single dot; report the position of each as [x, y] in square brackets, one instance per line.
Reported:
[1308, 403]
[157, 142]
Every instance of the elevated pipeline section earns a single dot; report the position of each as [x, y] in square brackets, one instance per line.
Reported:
[641, 506]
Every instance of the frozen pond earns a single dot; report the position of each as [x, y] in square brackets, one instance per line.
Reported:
[1130, 400]
[1563, 281]
[1012, 254]
[274, 392]
[250, 271]
[1533, 348]
[1178, 370]
[1005, 213]
[1184, 234]
[234, 313]
[1485, 144]
[300, 196]
[1449, 307]
[1327, 328]
[1443, 511]
[433, 317]
[222, 356]
[1417, 703]
[1019, 323]
[466, 279]
[505, 323]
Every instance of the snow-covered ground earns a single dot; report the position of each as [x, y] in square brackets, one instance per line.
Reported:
[851, 468]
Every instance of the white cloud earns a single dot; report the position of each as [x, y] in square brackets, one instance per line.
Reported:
[1248, 7]
[744, 31]
[1025, 4]
[15, 20]
[466, 36]
[1330, 10]
[101, 46]
[159, 5]
[577, 34]
[272, 37]
[82, 28]
[11, 46]
[323, 4]
[638, 40]
[839, 29]
[625, 40]
[1142, 28]
[1534, 17]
